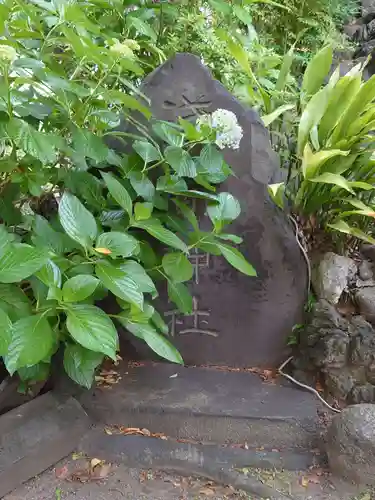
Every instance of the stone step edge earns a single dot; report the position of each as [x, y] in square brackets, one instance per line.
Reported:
[217, 463]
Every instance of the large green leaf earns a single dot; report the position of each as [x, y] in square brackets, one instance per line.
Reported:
[139, 275]
[142, 185]
[79, 288]
[340, 99]
[146, 151]
[178, 267]
[271, 117]
[316, 71]
[224, 212]
[158, 231]
[14, 301]
[5, 332]
[30, 140]
[50, 274]
[21, 261]
[77, 221]
[143, 211]
[336, 180]
[32, 340]
[181, 161]
[153, 339]
[236, 259]
[35, 373]
[180, 295]
[119, 244]
[358, 105]
[285, 70]
[344, 227]
[118, 192]
[86, 143]
[120, 283]
[312, 162]
[311, 116]
[44, 235]
[80, 364]
[92, 328]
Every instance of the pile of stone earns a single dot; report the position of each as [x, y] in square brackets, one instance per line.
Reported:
[337, 345]
[362, 32]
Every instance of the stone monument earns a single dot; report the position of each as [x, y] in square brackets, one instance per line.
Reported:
[236, 320]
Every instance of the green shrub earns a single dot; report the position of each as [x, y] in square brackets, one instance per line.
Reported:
[79, 220]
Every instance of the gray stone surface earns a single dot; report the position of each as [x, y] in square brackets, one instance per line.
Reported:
[368, 251]
[331, 276]
[237, 320]
[37, 435]
[340, 352]
[365, 270]
[209, 405]
[365, 298]
[351, 444]
[368, 7]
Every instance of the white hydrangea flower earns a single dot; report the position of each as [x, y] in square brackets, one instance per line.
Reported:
[224, 122]
[8, 53]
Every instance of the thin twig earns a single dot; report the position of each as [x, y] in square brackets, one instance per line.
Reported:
[304, 386]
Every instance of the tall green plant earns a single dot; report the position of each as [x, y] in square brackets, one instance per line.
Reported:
[79, 220]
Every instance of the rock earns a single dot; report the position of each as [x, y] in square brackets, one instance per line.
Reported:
[331, 276]
[365, 298]
[340, 352]
[368, 7]
[236, 320]
[365, 271]
[362, 394]
[350, 444]
[368, 251]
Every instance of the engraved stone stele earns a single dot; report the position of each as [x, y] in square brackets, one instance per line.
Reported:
[236, 320]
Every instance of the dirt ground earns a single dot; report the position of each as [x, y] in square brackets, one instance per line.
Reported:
[79, 479]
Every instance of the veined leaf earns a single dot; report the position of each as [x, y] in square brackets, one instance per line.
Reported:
[118, 192]
[32, 340]
[178, 267]
[146, 151]
[92, 328]
[158, 231]
[120, 283]
[5, 332]
[79, 288]
[118, 244]
[142, 185]
[76, 220]
[224, 212]
[14, 301]
[153, 339]
[143, 211]
[80, 364]
[236, 259]
[181, 161]
[21, 261]
[139, 275]
[30, 140]
[180, 295]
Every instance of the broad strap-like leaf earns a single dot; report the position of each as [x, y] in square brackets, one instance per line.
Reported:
[158, 231]
[119, 244]
[316, 71]
[177, 266]
[153, 339]
[79, 288]
[334, 179]
[92, 328]
[80, 364]
[311, 117]
[32, 340]
[344, 227]
[312, 162]
[120, 283]
[118, 192]
[77, 221]
[20, 261]
[181, 161]
[271, 117]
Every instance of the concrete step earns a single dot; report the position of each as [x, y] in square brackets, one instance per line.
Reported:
[210, 406]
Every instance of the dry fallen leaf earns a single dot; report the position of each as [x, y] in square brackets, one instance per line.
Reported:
[209, 492]
[101, 471]
[95, 461]
[62, 472]
[304, 482]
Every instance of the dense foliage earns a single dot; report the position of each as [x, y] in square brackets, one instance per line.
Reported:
[81, 220]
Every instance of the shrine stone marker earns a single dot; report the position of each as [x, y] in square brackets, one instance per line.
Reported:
[237, 320]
